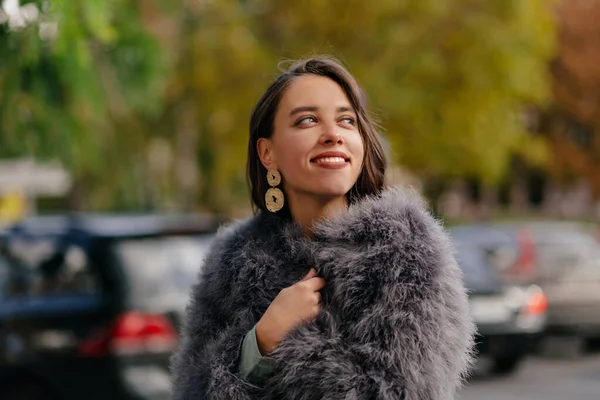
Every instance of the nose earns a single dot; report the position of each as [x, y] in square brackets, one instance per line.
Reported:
[330, 135]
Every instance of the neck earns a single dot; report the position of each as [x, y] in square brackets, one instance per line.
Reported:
[308, 209]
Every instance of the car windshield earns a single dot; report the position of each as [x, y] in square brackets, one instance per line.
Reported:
[475, 264]
[162, 270]
[475, 249]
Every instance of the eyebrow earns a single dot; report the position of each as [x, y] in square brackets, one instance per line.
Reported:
[302, 109]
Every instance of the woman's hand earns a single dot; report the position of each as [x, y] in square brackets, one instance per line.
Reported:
[293, 306]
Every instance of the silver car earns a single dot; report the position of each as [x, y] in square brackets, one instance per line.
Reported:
[568, 270]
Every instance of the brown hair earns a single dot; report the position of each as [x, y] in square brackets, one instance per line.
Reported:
[372, 176]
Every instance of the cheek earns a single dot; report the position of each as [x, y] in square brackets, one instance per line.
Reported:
[292, 154]
[358, 150]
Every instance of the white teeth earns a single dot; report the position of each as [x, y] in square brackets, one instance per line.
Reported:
[330, 160]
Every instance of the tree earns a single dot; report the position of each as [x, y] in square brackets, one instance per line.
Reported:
[80, 81]
[574, 119]
[452, 78]
[218, 75]
[166, 89]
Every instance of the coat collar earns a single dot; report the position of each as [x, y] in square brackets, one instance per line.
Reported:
[372, 218]
[396, 221]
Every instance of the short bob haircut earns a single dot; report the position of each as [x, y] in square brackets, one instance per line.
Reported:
[371, 180]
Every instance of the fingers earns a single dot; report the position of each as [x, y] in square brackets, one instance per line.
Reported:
[316, 310]
[315, 284]
[313, 281]
[312, 284]
[318, 297]
[311, 274]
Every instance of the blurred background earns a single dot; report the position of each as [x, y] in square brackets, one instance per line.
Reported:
[123, 138]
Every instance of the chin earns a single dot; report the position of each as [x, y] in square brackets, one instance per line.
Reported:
[333, 190]
[331, 194]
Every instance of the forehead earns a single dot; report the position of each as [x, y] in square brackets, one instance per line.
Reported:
[312, 90]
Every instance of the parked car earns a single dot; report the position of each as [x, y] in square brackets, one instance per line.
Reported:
[574, 302]
[568, 256]
[90, 305]
[509, 317]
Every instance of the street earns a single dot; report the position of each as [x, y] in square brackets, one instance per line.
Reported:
[542, 379]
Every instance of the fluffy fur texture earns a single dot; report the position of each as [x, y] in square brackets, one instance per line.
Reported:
[394, 323]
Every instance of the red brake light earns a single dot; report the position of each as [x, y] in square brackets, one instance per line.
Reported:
[132, 333]
[537, 304]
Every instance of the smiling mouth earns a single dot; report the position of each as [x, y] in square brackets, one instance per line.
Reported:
[330, 160]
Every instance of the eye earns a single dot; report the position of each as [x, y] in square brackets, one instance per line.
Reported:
[348, 121]
[304, 121]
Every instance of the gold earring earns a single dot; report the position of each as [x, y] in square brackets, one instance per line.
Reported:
[274, 197]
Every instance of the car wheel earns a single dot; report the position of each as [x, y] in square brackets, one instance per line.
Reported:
[592, 344]
[506, 364]
[26, 392]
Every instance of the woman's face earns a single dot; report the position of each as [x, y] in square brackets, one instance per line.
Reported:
[316, 144]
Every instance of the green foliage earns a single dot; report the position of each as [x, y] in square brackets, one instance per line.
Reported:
[71, 80]
[451, 78]
[448, 79]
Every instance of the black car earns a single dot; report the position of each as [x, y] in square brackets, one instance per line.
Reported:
[509, 317]
[90, 305]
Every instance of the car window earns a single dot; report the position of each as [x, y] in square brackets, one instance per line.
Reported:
[561, 255]
[475, 262]
[586, 271]
[42, 267]
[162, 270]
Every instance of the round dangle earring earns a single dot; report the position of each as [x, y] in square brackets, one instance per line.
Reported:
[274, 197]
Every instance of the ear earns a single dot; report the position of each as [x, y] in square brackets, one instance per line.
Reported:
[264, 147]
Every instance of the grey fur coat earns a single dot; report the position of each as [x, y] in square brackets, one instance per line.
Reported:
[394, 324]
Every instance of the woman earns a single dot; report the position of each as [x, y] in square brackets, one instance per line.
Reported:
[338, 288]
